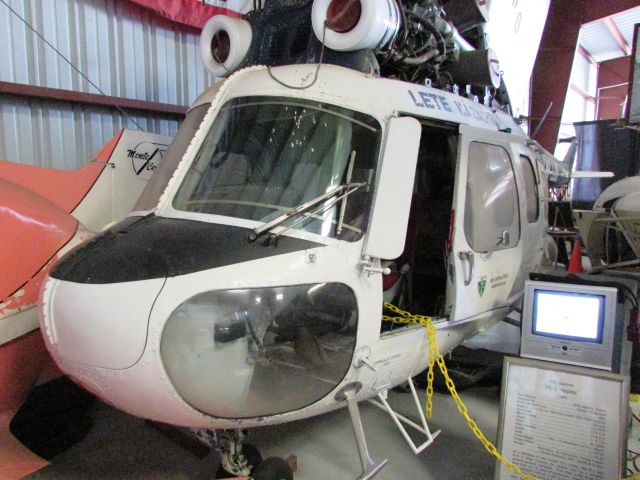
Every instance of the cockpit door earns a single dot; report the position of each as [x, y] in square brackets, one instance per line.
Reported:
[486, 251]
[388, 224]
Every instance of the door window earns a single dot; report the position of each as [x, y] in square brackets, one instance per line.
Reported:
[530, 190]
[492, 221]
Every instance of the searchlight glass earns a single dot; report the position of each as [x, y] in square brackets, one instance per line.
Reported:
[574, 316]
[260, 351]
[264, 156]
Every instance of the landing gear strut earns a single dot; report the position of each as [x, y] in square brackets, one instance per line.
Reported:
[239, 459]
[232, 458]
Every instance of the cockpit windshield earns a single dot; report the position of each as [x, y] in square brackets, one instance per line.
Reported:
[265, 156]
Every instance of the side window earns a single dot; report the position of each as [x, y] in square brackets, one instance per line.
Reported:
[491, 221]
[530, 190]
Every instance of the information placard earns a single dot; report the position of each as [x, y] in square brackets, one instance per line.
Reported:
[561, 422]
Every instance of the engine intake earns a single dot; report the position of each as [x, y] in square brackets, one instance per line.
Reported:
[348, 25]
[224, 44]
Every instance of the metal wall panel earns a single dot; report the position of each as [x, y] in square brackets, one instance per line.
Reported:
[63, 135]
[125, 50]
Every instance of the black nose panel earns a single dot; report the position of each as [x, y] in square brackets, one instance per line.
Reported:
[142, 248]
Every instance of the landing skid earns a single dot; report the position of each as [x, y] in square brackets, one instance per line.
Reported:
[235, 461]
[371, 468]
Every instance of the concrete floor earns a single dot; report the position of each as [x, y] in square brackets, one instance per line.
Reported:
[126, 448]
[325, 445]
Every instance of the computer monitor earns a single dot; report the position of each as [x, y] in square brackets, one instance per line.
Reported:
[571, 323]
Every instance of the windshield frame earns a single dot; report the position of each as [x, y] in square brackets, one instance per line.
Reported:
[151, 194]
[166, 207]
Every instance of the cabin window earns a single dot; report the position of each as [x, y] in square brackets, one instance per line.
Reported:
[491, 221]
[530, 190]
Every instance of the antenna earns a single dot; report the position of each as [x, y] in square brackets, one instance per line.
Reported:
[544, 117]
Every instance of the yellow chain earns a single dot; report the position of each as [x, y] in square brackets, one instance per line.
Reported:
[434, 357]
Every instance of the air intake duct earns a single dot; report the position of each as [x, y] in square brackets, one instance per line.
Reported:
[224, 43]
[349, 25]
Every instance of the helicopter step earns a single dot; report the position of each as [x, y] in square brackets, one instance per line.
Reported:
[398, 419]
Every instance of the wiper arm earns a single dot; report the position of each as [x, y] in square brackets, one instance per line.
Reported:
[350, 187]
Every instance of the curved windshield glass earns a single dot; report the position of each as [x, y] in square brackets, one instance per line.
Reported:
[265, 156]
[151, 194]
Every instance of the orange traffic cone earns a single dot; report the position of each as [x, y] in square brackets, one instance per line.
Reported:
[575, 264]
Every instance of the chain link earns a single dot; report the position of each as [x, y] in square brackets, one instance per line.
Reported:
[434, 357]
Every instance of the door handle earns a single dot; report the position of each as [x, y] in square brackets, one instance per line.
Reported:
[504, 239]
[467, 259]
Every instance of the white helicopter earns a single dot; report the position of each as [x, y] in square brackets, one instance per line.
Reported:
[246, 289]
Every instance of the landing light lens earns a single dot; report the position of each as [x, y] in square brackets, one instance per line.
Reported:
[343, 15]
[230, 357]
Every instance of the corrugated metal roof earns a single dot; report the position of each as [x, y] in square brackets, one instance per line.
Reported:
[596, 38]
[625, 22]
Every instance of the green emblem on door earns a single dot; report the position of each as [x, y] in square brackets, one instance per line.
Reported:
[481, 284]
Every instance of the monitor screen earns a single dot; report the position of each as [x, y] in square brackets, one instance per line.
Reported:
[568, 315]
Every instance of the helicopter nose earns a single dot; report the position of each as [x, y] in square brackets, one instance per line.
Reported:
[99, 325]
[96, 302]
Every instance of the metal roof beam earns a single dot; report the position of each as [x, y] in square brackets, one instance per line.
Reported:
[617, 35]
[587, 56]
[91, 99]
[582, 93]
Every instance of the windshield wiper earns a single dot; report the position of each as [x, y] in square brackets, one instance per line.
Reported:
[268, 226]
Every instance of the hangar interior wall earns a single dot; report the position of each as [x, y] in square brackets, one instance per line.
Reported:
[125, 50]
